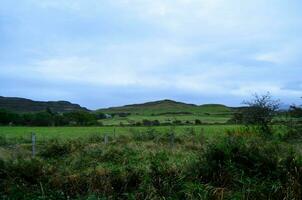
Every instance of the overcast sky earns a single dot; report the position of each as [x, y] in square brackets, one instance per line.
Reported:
[101, 53]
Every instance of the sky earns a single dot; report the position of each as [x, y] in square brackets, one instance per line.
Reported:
[101, 53]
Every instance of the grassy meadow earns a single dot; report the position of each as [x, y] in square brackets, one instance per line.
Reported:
[44, 133]
[179, 162]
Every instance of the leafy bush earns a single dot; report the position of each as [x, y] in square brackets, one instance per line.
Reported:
[54, 148]
[240, 165]
[251, 164]
[166, 180]
[197, 122]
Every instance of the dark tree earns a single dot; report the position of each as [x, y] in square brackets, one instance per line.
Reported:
[260, 112]
[147, 122]
[81, 118]
[43, 119]
[7, 117]
[156, 123]
[197, 122]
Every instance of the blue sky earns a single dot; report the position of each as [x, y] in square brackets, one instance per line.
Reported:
[101, 53]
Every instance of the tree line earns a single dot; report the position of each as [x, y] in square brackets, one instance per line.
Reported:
[49, 118]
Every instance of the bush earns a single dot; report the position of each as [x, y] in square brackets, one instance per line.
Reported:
[177, 122]
[166, 180]
[149, 134]
[198, 122]
[250, 165]
[54, 148]
[147, 122]
[3, 140]
[96, 138]
[260, 113]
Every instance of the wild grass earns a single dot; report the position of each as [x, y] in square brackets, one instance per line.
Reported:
[142, 164]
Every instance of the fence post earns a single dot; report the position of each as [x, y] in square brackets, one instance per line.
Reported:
[172, 138]
[106, 139]
[33, 142]
[114, 136]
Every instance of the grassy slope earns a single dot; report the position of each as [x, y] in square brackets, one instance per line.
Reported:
[165, 106]
[22, 105]
[167, 111]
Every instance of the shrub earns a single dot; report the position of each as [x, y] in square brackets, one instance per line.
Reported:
[166, 180]
[197, 122]
[3, 140]
[177, 122]
[96, 138]
[24, 171]
[260, 113]
[55, 148]
[236, 162]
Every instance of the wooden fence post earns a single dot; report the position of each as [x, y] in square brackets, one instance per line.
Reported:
[106, 139]
[33, 142]
[172, 138]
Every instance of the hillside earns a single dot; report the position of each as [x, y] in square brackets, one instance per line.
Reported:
[167, 107]
[167, 111]
[15, 104]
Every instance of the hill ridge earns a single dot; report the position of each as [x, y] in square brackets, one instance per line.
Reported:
[150, 103]
[18, 104]
[165, 106]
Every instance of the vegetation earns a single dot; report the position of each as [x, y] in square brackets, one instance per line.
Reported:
[49, 118]
[22, 105]
[143, 165]
[260, 158]
[64, 133]
[167, 112]
[259, 114]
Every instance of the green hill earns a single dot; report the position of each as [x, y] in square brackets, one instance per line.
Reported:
[167, 111]
[167, 107]
[21, 105]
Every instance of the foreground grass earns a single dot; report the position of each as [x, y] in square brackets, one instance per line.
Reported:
[144, 164]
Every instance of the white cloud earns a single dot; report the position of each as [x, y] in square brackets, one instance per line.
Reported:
[203, 47]
[285, 54]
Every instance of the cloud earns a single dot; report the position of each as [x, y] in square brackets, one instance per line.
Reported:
[207, 49]
[287, 53]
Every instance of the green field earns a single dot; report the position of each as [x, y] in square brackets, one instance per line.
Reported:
[84, 132]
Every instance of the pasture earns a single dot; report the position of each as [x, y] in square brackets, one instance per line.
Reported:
[44, 133]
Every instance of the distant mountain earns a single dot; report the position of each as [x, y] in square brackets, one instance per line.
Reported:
[167, 107]
[16, 104]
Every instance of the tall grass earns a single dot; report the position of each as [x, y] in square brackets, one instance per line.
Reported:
[143, 165]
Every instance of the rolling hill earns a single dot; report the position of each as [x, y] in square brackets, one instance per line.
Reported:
[21, 105]
[167, 107]
[166, 111]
